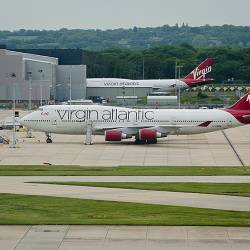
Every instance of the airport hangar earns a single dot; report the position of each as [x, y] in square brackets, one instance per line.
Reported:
[48, 73]
[41, 77]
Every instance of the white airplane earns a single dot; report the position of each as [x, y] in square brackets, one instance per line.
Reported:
[146, 125]
[195, 78]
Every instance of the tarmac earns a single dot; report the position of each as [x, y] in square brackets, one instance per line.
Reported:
[16, 185]
[123, 237]
[211, 149]
[204, 179]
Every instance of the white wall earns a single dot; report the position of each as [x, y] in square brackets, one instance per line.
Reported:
[15, 63]
[78, 82]
[11, 74]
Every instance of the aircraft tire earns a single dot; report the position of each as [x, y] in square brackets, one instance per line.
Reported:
[140, 142]
[48, 140]
[153, 141]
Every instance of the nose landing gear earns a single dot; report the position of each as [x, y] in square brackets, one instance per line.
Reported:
[49, 139]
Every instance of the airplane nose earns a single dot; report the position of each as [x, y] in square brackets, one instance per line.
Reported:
[28, 121]
[22, 121]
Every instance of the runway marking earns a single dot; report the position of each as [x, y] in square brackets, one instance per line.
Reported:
[22, 238]
[233, 148]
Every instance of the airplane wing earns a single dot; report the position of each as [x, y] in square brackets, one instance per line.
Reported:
[167, 129]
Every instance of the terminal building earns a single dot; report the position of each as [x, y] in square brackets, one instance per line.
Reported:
[43, 76]
[47, 76]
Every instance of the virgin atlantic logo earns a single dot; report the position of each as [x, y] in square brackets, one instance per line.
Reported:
[201, 74]
[248, 99]
[112, 114]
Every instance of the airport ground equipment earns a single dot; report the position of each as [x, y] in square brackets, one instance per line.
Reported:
[88, 138]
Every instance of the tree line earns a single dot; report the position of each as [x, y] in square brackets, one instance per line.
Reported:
[231, 64]
[134, 38]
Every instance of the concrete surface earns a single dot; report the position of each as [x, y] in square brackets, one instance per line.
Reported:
[4, 114]
[205, 179]
[194, 150]
[8, 113]
[224, 202]
[210, 149]
[123, 237]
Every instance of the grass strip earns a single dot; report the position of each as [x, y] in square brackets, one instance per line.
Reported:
[41, 210]
[121, 171]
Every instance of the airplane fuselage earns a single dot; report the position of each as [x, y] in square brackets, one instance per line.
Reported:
[196, 77]
[155, 85]
[71, 119]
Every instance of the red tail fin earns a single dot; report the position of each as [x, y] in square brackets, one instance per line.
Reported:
[198, 75]
[242, 104]
[241, 109]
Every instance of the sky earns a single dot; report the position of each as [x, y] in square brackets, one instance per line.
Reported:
[110, 14]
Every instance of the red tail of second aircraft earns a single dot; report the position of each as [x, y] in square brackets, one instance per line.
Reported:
[242, 104]
[241, 109]
[198, 75]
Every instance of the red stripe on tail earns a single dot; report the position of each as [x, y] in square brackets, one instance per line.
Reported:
[242, 104]
[198, 75]
[241, 109]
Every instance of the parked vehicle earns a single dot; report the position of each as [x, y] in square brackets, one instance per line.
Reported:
[4, 140]
[97, 99]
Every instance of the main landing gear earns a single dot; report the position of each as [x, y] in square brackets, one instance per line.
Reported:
[140, 142]
[49, 139]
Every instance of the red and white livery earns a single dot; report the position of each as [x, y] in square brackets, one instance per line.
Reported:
[197, 77]
[146, 125]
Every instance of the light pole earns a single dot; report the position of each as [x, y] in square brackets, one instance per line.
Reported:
[55, 87]
[70, 87]
[30, 88]
[41, 87]
[13, 76]
[179, 86]
[123, 94]
[143, 68]
[175, 75]
[29, 134]
[52, 89]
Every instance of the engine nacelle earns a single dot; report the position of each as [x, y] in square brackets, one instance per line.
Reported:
[115, 135]
[149, 134]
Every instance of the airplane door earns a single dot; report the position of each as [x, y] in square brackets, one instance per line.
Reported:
[229, 122]
[173, 120]
[54, 122]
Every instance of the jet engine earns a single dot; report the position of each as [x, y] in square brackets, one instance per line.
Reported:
[115, 135]
[149, 134]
